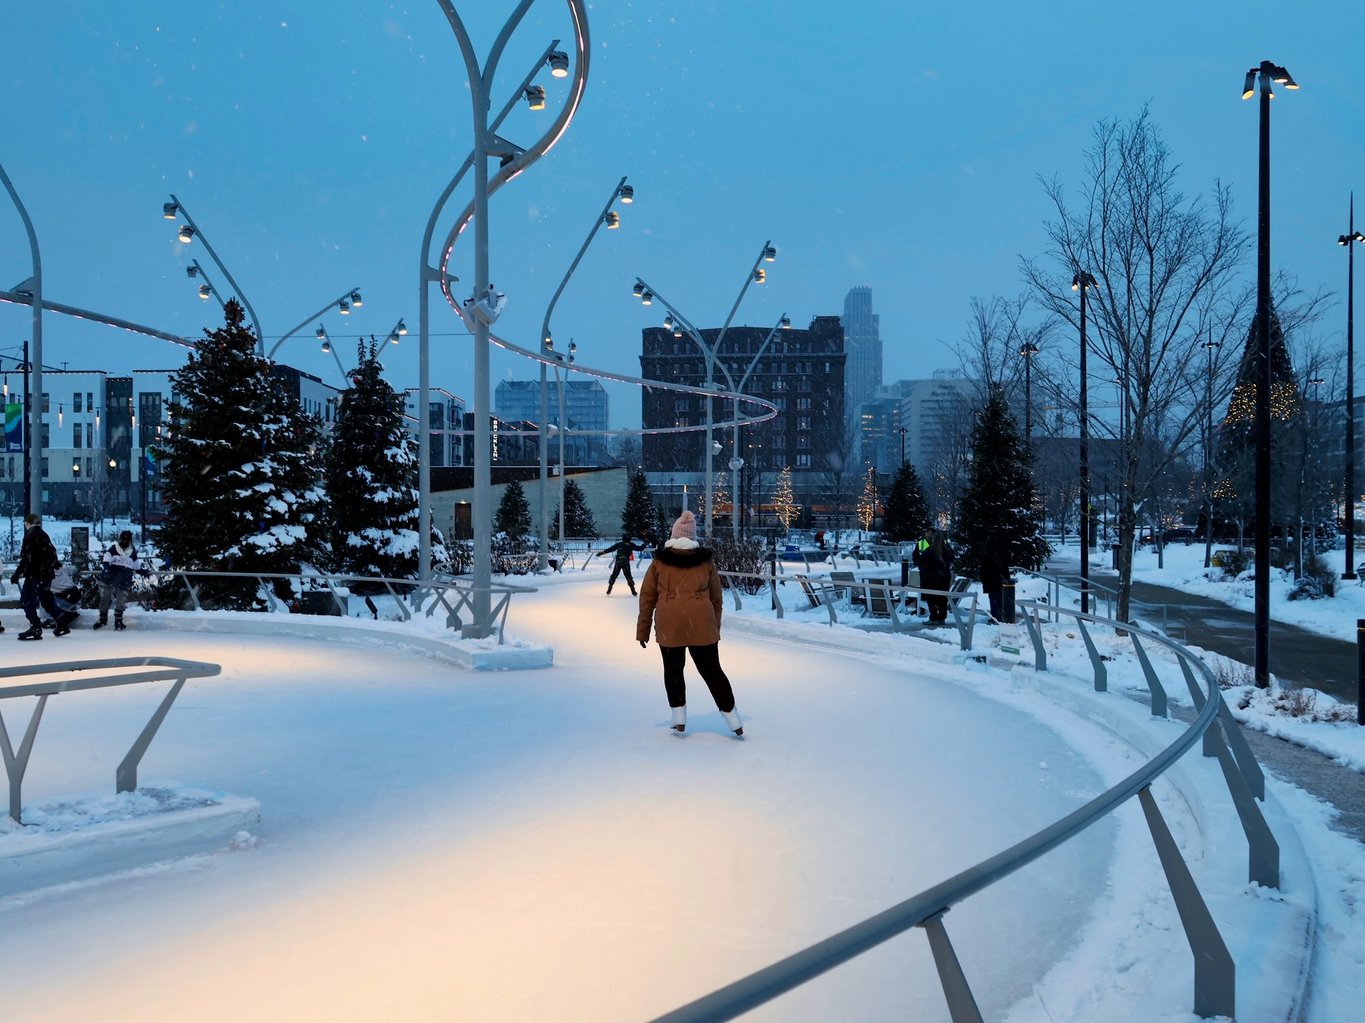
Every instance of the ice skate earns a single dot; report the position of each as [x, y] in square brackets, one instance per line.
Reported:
[33, 632]
[732, 720]
[679, 724]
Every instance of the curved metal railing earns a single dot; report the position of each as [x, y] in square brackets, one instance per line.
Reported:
[411, 597]
[1214, 969]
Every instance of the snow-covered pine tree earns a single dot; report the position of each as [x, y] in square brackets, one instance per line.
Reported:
[239, 467]
[998, 501]
[906, 514]
[371, 472]
[578, 520]
[639, 517]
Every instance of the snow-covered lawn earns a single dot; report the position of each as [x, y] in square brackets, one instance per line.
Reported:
[534, 845]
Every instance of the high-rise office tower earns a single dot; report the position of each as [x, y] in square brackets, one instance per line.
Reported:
[863, 345]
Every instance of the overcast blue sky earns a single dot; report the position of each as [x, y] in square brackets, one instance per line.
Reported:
[896, 145]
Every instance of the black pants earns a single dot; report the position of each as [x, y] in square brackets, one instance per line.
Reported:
[707, 662]
[33, 593]
[617, 567]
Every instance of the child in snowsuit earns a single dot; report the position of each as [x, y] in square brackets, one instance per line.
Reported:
[120, 561]
[622, 551]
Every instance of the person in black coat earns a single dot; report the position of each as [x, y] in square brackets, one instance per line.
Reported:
[995, 571]
[38, 564]
[623, 552]
[934, 558]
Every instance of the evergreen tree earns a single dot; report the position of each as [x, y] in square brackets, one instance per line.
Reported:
[998, 502]
[906, 515]
[514, 513]
[784, 499]
[239, 467]
[867, 500]
[639, 518]
[372, 478]
[578, 520]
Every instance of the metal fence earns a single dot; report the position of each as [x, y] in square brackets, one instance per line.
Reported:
[331, 594]
[1214, 969]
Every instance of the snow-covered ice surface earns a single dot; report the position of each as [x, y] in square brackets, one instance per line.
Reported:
[442, 844]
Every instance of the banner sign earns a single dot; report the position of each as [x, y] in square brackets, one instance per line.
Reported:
[14, 427]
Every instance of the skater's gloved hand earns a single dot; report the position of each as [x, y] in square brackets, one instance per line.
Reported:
[643, 645]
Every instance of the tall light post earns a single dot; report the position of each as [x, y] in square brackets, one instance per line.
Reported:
[1210, 346]
[1267, 75]
[563, 425]
[1028, 350]
[513, 161]
[646, 294]
[188, 232]
[736, 462]
[34, 399]
[483, 305]
[1082, 281]
[350, 298]
[1351, 235]
[612, 220]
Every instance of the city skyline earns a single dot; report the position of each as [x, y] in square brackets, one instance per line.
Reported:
[310, 148]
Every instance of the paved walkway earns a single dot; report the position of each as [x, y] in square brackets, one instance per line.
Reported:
[1296, 655]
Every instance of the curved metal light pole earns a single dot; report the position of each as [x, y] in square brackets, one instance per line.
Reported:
[1351, 235]
[34, 287]
[1268, 75]
[625, 194]
[483, 311]
[756, 275]
[1082, 281]
[347, 299]
[175, 207]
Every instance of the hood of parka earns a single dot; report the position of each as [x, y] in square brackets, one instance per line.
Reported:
[682, 557]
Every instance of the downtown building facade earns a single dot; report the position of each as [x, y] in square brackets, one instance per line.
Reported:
[580, 408]
[800, 371]
[863, 370]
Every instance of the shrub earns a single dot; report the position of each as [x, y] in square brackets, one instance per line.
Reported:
[1235, 562]
[1316, 568]
[745, 556]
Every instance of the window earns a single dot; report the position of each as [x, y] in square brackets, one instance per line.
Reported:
[44, 470]
[47, 404]
[89, 464]
[89, 435]
[75, 435]
[803, 422]
[803, 461]
[76, 402]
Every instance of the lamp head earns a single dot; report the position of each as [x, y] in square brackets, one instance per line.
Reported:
[626, 193]
[760, 275]
[205, 291]
[638, 290]
[192, 271]
[1249, 85]
[170, 210]
[321, 333]
[186, 234]
[535, 97]
[786, 322]
[647, 298]
[356, 300]
[559, 64]
[344, 308]
[612, 219]
[402, 329]
[769, 253]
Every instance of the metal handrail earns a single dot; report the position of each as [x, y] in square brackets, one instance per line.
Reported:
[452, 593]
[1214, 970]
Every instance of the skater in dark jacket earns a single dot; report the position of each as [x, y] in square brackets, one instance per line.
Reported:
[38, 564]
[623, 552]
[934, 558]
[681, 596]
[995, 570]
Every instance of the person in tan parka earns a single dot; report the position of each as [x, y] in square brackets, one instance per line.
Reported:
[681, 596]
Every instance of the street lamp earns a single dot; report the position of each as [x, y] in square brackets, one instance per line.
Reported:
[646, 295]
[1083, 281]
[188, 232]
[321, 335]
[350, 297]
[1351, 235]
[479, 313]
[1028, 350]
[1267, 75]
[611, 219]
[206, 289]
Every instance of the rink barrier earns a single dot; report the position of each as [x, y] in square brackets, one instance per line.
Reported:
[76, 678]
[1215, 971]
[411, 597]
[961, 603]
